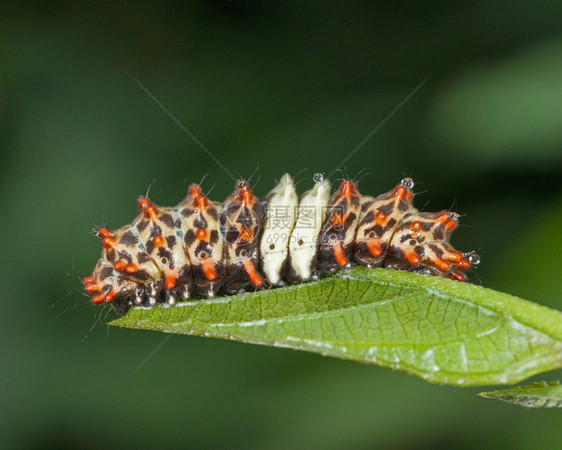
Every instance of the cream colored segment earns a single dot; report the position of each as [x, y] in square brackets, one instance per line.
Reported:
[150, 267]
[312, 211]
[350, 233]
[178, 253]
[216, 252]
[187, 226]
[360, 234]
[213, 225]
[218, 249]
[280, 219]
[376, 203]
[251, 247]
[179, 258]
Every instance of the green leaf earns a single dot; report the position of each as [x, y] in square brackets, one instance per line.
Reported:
[537, 395]
[441, 330]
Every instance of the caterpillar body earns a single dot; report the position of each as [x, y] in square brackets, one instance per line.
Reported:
[202, 247]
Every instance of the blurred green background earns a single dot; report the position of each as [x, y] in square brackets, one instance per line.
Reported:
[277, 86]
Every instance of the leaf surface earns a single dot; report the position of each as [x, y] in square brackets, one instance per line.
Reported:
[537, 395]
[441, 330]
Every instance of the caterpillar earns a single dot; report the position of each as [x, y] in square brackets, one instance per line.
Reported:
[203, 247]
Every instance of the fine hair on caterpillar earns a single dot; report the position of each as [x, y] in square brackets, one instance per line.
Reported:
[202, 248]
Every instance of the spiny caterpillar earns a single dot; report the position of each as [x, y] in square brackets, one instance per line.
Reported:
[201, 247]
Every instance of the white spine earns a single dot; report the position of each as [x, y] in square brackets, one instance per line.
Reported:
[280, 219]
[311, 214]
